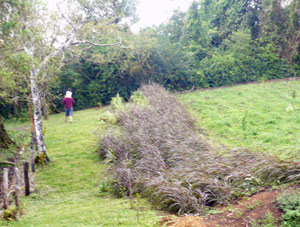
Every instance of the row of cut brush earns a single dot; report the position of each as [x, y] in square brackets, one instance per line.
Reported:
[161, 155]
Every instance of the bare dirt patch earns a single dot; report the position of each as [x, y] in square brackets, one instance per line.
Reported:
[254, 208]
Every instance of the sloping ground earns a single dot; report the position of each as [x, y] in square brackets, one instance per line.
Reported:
[159, 154]
[67, 191]
[221, 112]
[258, 209]
[263, 117]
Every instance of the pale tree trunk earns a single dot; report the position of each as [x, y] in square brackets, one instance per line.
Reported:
[33, 134]
[44, 100]
[33, 143]
[37, 113]
[28, 39]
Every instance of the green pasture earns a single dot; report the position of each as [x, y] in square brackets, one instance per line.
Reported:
[68, 190]
[263, 117]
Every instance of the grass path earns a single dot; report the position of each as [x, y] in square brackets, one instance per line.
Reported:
[68, 189]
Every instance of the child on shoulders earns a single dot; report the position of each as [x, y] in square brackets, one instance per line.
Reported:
[69, 93]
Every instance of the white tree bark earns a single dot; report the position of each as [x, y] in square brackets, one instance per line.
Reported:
[37, 113]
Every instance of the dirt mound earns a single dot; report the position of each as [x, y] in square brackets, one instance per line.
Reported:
[257, 208]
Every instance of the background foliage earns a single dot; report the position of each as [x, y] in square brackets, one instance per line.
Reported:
[215, 43]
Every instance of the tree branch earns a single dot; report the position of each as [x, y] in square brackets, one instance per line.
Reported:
[6, 163]
[98, 44]
[63, 15]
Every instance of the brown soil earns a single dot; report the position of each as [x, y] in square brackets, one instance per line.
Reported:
[241, 214]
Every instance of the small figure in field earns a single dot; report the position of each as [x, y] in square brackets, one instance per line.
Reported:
[68, 102]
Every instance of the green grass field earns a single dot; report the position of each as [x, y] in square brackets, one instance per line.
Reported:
[68, 189]
[255, 116]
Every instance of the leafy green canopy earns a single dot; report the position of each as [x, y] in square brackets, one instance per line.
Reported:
[28, 22]
[215, 43]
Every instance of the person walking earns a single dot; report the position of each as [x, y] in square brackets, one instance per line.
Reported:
[68, 102]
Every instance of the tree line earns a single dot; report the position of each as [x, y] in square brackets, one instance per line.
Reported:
[89, 47]
[214, 43]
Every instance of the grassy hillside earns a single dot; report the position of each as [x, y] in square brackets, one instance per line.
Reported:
[256, 116]
[68, 189]
[160, 154]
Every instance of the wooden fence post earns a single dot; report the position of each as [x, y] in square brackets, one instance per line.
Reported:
[5, 188]
[26, 178]
[17, 187]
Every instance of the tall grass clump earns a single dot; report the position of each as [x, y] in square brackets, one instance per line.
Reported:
[159, 154]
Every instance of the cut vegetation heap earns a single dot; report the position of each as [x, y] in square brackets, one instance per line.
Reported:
[159, 153]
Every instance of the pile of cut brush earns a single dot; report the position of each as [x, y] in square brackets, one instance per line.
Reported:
[158, 153]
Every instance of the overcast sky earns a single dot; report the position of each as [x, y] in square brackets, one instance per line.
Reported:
[155, 12]
[151, 12]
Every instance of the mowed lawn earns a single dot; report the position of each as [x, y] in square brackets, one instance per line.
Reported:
[68, 189]
[256, 116]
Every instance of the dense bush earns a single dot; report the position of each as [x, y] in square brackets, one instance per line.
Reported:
[215, 43]
[92, 84]
[160, 154]
[226, 70]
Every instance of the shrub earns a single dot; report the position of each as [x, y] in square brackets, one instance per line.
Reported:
[104, 186]
[40, 159]
[139, 99]
[118, 103]
[109, 117]
[289, 202]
